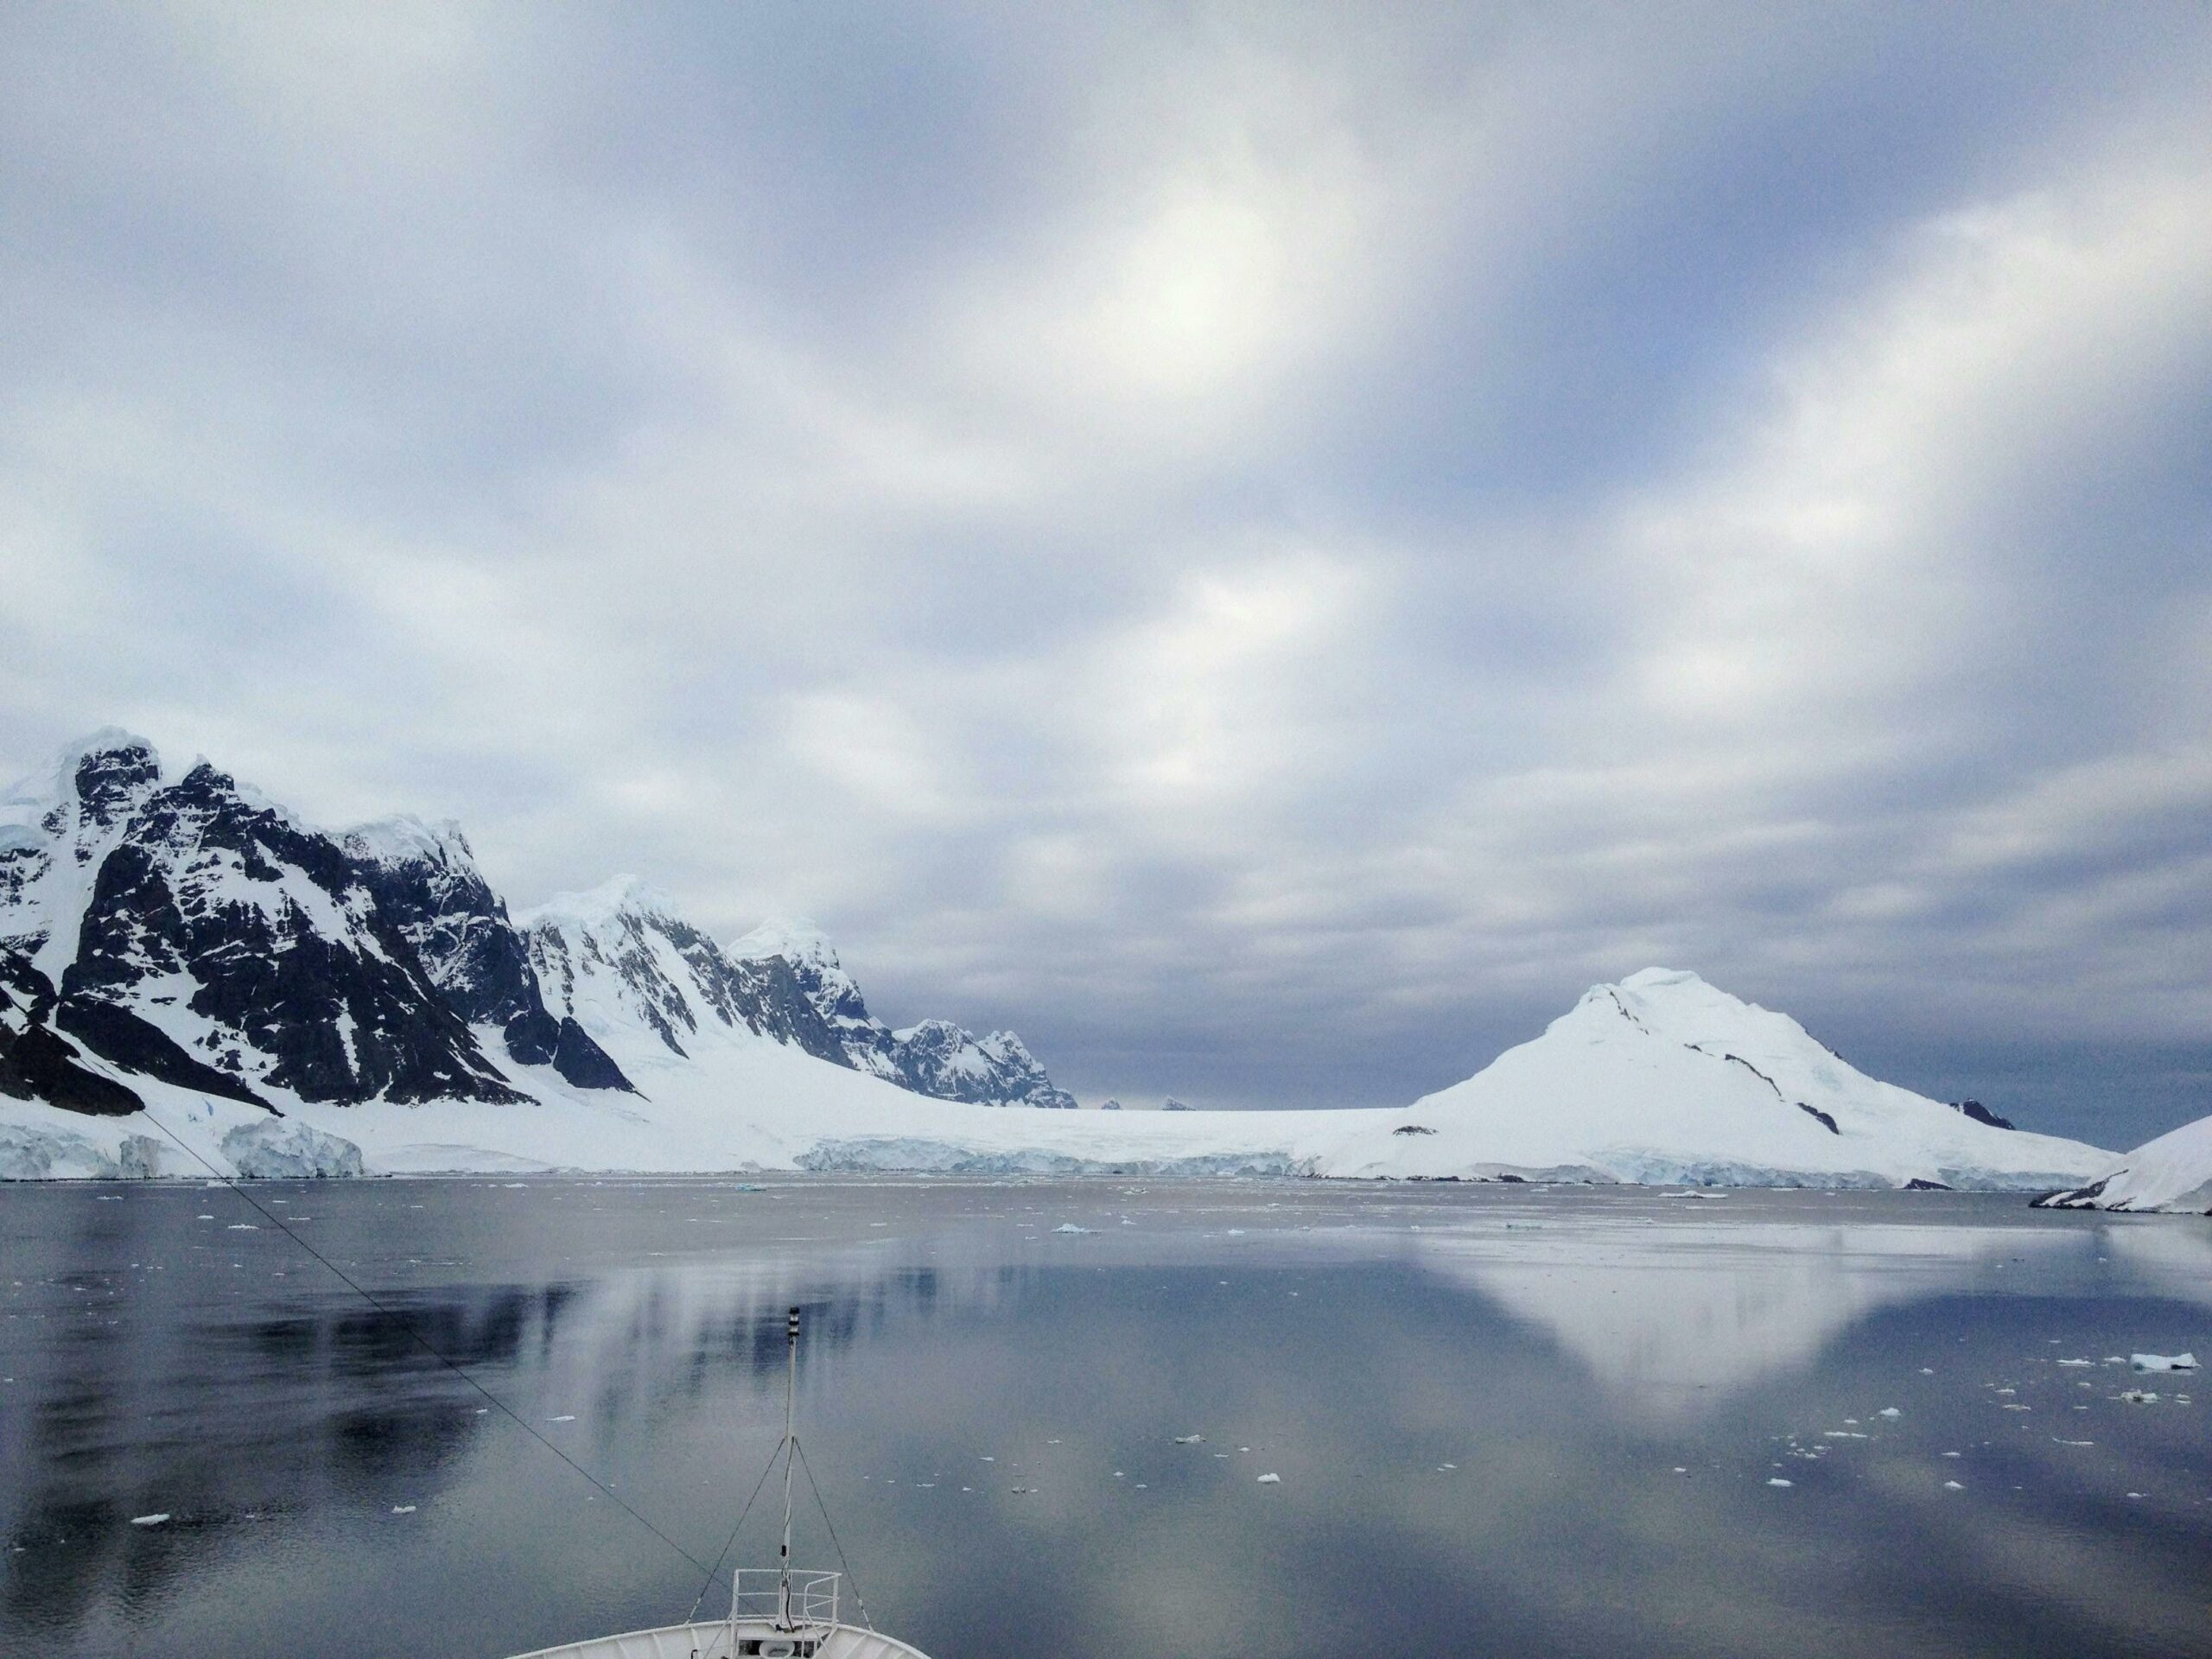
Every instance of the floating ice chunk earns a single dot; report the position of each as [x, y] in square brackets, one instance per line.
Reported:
[2055, 1438]
[1889, 1411]
[1069, 1227]
[1190, 1439]
[402, 1508]
[569, 1418]
[1953, 1454]
[1953, 1487]
[150, 1520]
[2077, 1362]
[2138, 1397]
[1269, 1480]
[1777, 1480]
[2162, 1362]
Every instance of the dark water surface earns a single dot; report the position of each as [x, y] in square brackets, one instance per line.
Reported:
[1506, 1420]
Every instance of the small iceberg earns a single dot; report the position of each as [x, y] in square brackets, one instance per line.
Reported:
[150, 1520]
[2162, 1362]
[1269, 1480]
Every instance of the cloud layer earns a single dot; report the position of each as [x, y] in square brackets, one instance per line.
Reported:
[1265, 549]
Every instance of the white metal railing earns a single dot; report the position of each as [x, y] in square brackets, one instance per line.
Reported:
[757, 1593]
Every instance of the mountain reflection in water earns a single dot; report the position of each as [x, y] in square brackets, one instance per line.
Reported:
[1477, 1400]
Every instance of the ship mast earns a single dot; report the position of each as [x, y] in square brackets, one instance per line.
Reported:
[791, 1456]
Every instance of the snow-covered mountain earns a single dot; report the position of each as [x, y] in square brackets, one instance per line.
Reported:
[935, 1058]
[621, 960]
[2172, 1173]
[1664, 1077]
[189, 933]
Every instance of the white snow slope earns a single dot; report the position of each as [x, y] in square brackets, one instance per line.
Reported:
[1659, 1078]
[1662, 1077]
[2173, 1174]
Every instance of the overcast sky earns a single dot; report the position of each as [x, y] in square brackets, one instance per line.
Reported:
[1264, 549]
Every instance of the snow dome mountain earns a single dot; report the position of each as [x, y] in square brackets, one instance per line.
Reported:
[1664, 1077]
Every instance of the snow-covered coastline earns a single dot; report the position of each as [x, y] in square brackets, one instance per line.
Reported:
[193, 978]
[1659, 1078]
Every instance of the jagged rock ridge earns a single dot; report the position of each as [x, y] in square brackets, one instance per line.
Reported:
[935, 1058]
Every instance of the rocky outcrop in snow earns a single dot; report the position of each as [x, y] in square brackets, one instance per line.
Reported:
[2171, 1173]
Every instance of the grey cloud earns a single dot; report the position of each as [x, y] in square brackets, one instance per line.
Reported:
[1263, 550]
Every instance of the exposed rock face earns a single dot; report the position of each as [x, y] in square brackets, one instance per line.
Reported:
[424, 878]
[935, 1058]
[1172, 1104]
[193, 932]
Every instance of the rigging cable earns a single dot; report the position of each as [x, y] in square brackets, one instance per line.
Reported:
[708, 1583]
[423, 1342]
[860, 1602]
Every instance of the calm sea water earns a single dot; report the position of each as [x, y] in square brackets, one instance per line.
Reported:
[1505, 1420]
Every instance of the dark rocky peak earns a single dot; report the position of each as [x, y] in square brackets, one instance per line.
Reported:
[935, 1058]
[815, 969]
[223, 939]
[424, 879]
[940, 1059]
[110, 773]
